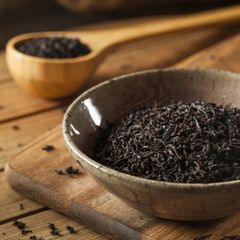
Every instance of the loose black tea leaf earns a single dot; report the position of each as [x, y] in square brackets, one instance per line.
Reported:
[59, 172]
[20, 225]
[21, 206]
[33, 237]
[24, 232]
[54, 230]
[53, 47]
[184, 143]
[48, 148]
[16, 127]
[52, 226]
[72, 171]
[70, 229]
[204, 237]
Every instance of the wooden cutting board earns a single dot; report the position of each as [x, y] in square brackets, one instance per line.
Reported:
[32, 173]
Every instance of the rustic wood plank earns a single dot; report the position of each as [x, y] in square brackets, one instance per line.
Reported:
[16, 134]
[87, 202]
[173, 226]
[10, 203]
[222, 56]
[137, 56]
[120, 23]
[160, 52]
[16, 103]
[229, 226]
[38, 223]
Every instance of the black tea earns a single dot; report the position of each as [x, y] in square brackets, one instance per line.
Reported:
[195, 142]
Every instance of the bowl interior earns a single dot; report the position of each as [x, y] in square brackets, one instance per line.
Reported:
[109, 101]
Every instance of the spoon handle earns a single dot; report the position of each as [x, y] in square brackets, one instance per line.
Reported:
[220, 17]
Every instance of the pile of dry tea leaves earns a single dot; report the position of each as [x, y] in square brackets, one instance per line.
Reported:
[53, 47]
[183, 143]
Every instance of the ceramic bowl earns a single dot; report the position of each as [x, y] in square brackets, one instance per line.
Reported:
[109, 101]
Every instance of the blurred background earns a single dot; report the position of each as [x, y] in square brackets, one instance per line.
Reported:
[27, 15]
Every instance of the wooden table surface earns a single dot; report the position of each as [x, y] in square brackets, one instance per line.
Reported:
[24, 117]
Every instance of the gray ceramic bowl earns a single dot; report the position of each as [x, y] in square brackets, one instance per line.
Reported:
[108, 101]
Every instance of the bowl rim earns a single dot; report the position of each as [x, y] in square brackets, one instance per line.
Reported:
[127, 177]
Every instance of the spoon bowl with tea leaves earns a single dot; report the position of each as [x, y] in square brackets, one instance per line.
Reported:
[142, 161]
[62, 77]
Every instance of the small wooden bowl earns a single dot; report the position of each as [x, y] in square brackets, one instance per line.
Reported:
[108, 101]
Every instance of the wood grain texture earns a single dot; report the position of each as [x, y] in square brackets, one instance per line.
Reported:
[126, 60]
[38, 223]
[169, 49]
[83, 200]
[10, 203]
[16, 103]
[66, 76]
[131, 58]
[5, 75]
[15, 134]
[222, 56]
[217, 34]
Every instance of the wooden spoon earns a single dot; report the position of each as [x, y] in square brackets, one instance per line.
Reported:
[57, 78]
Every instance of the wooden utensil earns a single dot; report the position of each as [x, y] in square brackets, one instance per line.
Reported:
[57, 78]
